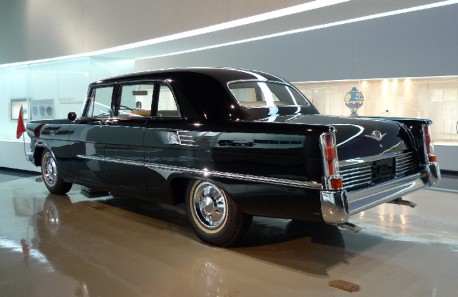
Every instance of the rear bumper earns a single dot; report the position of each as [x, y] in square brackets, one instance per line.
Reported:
[338, 206]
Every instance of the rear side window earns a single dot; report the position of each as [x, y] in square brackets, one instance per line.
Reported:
[167, 106]
[99, 104]
[136, 100]
[265, 94]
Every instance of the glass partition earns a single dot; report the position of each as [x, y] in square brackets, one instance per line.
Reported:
[432, 98]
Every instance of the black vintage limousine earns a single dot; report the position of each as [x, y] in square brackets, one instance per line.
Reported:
[231, 144]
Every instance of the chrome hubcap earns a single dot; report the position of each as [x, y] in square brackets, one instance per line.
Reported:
[210, 205]
[50, 170]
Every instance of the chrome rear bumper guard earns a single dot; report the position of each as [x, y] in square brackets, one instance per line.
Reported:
[338, 206]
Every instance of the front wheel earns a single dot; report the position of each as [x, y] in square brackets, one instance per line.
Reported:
[215, 217]
[53, 181]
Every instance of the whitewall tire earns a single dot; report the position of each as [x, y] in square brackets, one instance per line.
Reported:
[215, 217]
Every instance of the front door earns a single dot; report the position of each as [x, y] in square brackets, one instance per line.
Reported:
[87, 138]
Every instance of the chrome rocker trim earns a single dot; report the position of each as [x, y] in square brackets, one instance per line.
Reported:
[338, 206]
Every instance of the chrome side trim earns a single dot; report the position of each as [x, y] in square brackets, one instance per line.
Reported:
[206, 173]
[238, 176]
[112, 160]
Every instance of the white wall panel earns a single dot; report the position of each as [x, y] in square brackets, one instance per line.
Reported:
[417, 44]
[13, 156]
[423, 43]
[109, 23]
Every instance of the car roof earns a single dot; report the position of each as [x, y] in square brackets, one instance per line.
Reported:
[223, 75]
[201, 92]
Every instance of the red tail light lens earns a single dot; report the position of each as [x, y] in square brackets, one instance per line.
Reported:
[429, 147]
[331, 167]
[426, 133]
[37, 130]
[330, 154]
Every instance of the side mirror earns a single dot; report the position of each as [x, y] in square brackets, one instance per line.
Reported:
[71, 116]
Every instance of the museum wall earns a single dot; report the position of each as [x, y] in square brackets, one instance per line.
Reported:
[416, 44]
[32, 30]
[46, 91]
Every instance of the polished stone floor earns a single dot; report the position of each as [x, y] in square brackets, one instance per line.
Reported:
[116, 247]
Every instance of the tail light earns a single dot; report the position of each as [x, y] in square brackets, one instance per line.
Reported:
[429, 147]
[37, 130]
[330, 161]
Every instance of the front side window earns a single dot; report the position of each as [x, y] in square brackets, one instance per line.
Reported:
[265, 94]
[99, 104]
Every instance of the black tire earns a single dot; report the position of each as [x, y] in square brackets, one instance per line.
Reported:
[49, 171]
[215, 218]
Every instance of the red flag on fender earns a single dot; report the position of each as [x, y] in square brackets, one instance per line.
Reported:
[20, 125]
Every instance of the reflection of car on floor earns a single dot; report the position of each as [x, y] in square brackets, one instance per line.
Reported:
[231, 144]
[106, 264]
[111, 251]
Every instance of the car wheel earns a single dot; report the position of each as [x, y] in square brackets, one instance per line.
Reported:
[215, 217]
[53, 181]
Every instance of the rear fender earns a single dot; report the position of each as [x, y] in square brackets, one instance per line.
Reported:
[38, 150]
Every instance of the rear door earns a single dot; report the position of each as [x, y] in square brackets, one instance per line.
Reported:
[166, 144]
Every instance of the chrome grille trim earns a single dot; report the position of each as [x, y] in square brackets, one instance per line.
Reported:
[185, 138]
[364, 173]
[404, 163]
[356, 175]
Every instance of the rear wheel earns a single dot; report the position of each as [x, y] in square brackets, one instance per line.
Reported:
[215, 217]
[53, 181]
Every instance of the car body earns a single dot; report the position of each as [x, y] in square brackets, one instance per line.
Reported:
[231, 144]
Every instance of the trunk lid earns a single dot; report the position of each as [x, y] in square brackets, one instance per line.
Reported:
[359, 137]
[370, 151]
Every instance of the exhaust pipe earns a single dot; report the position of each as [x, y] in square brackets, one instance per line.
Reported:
[401, 201]
[350, 226]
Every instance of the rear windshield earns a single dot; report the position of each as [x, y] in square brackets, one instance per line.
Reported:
[266, 94]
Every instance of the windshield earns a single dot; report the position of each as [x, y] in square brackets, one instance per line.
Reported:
[266, 94]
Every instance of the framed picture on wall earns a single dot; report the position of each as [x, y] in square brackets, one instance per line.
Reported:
[16, 106]
[43, 109]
